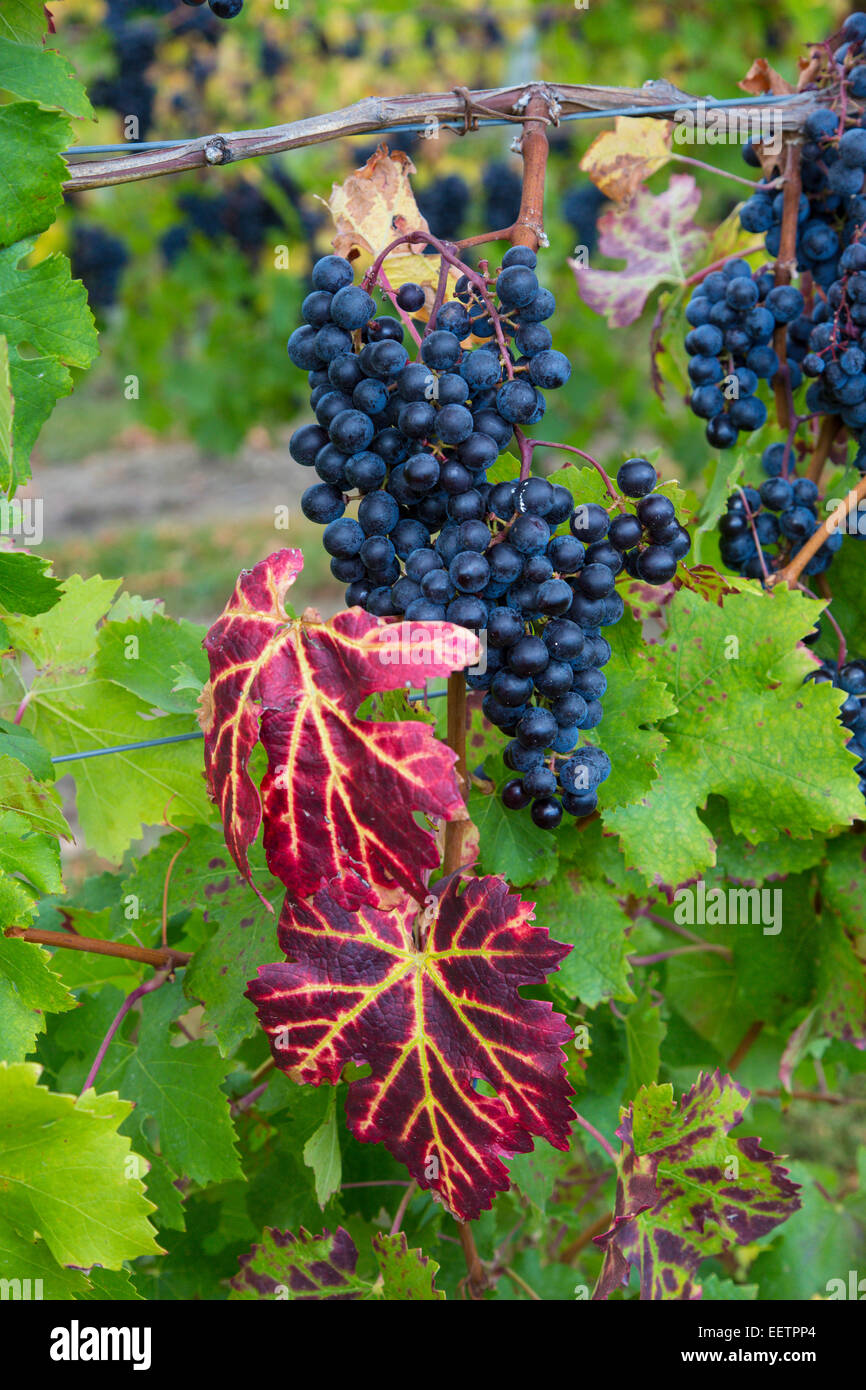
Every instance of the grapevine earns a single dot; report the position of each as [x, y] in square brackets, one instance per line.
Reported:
[467, 904]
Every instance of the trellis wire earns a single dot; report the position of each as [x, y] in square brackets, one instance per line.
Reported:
[484, 121]
[185, 738]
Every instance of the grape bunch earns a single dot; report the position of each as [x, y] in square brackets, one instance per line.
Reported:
[825, 343]
[764, 527]
[733, 316]
[433, 539]
[850, 677]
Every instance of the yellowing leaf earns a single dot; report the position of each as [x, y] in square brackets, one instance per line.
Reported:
[618, 161]
[371, 208]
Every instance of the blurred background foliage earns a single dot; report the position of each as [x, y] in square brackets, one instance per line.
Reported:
[182, 270]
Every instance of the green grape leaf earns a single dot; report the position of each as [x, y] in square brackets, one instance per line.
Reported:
[179, 1088]
[43, 76]
[27, 966]
[141, 655]
[722, 665]
[110, 1285]
[584, 913]
[44, 311]
[304, 1268]
[386, 706]
[64, 639]
[687, 1190]
[740, 862]
[119, 794]
[30, 1271]
[407, 1275]
[635, 699]
[18, 743]
[841, 943]
[31, 141]
[63, 1172]
[23, 21]
[720, 478]
[645, 1031]
[509, 843]
[25, 585]
[20, 1026]
[322, 1153]
[37, 804]
[716, 1290]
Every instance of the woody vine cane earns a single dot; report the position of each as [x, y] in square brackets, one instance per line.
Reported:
[526, 231]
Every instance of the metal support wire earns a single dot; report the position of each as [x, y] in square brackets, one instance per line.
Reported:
[129, 146]
[184, 738]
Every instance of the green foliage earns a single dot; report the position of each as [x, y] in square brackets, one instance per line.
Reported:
[64, 1171]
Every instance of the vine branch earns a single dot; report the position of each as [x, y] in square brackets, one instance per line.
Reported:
[792, 571]
[165, 956]
[374, 114]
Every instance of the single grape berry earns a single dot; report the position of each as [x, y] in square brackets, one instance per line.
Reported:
[589, 522]
[331, 273]
[410, 297]
[636, 478]
[546, 812]
[656, 564]
[514, 795]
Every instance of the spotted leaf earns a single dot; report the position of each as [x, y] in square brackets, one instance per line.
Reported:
[305, 1268]
[431, 1020]
[340, 794]
[687, 1190]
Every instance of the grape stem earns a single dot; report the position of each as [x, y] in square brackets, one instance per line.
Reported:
[71, 941]
[751, 519]
[826, 435]
[573, 449]
[597, 1136]
[792, 571]
[388, 289]
[155, 982]
[785, 264]
[447, 253]
[721, 173]
[842, 653]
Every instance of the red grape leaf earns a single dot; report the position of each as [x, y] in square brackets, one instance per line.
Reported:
[430, 1021]
[687, 1190]
[340, 793]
